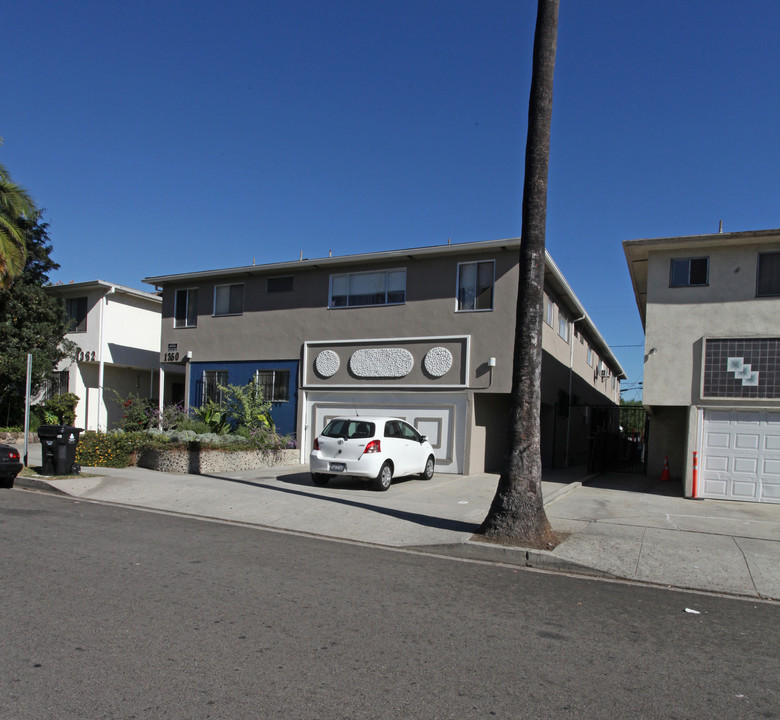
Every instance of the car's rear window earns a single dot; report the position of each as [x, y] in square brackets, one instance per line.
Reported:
[349, 429]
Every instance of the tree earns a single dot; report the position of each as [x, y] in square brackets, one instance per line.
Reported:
[15, 205]
[517, 514]
[31, 321]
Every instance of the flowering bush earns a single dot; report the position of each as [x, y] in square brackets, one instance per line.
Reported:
[99, 449]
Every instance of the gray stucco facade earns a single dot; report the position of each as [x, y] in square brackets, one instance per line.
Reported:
[429, 349]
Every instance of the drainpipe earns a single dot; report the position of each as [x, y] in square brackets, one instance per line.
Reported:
[101, 361]
[571, 373]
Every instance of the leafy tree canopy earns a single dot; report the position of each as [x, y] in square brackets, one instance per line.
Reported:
[15, 206]
[31, 321]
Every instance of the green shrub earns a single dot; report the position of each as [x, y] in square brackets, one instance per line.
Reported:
[60, 409]
[113, 449]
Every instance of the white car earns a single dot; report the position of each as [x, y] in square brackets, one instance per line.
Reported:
[379, 448]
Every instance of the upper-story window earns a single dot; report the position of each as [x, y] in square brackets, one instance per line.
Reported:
[386, 287]
[229, 299]
[475, 285]
[186, 310]
[76, 308]
[563, 326]
[281, 284]
[687, 272]
[549, 310]
[768, 282]
[590, 356]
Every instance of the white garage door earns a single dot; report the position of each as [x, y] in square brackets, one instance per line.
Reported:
[741, 456]
[440, 416]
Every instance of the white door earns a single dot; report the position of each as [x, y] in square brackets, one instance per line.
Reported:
[741, 455]
[439, 416]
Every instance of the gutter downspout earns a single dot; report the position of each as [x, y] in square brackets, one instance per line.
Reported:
[101, 362]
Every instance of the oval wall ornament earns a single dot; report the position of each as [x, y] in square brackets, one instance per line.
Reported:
[381, 363]
[438, 361]
[327, 363]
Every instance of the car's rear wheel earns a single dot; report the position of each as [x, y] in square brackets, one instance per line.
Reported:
[319, 479]
[384, 478]
[8, 482]
[430, 465]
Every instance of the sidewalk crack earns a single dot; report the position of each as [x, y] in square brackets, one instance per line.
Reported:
[639, 557]
[747, 565]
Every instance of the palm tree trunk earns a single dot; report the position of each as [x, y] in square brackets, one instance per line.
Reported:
[517, 513]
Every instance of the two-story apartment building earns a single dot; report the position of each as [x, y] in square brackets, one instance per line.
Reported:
[425, 334]
[710, 306]
[117, 330]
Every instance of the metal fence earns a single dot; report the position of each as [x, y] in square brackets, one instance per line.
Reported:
[618, 438]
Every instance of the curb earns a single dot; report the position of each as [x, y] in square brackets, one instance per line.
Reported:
[508, 555]
[29, 483]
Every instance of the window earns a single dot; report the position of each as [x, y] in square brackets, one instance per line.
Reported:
[76, 308]
[475, 285]
[768, 274]
[563, 326]
[228, 299]
[186, 311]
[56, 385]
[213, 382]
[279, 284]
[387, 287]
[549, 308]
[590, 356]
[275, 384]
[687, 272]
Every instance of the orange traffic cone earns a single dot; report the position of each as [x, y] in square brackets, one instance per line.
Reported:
[665, 473]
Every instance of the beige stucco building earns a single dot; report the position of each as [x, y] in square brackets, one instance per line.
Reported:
[710, 306]
[425, 334]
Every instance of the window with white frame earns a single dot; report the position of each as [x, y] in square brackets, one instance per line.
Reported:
[275, 384]
[213, 383]
[186, 310]
[563, 325]
[689, 272]
[590, 356]
[549, 310]
[229, 299]
[385, 287]
[768, 274]
[475, 285]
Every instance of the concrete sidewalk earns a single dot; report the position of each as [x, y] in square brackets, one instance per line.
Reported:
[619, 526]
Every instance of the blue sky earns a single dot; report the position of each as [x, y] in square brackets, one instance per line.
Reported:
[165, 137]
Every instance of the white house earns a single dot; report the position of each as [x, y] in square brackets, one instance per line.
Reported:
[117, 330]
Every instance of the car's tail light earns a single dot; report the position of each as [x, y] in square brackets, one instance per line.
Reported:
[373, 447]
[13, 455]
[316, 443]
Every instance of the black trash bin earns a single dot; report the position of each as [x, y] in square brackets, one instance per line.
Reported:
[58, 449]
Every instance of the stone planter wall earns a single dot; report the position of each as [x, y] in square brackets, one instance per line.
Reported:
[196, 462]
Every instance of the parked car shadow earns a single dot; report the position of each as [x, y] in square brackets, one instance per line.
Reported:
[298, 480]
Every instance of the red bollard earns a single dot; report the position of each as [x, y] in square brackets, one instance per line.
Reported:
[695, 473]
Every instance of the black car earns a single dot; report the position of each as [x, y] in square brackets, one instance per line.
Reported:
[10, 465]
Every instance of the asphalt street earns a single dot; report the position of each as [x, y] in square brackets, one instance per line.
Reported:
[112, 612]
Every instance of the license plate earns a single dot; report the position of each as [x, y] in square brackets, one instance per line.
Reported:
[337, 467]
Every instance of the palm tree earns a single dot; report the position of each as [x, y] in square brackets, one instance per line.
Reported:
[15, 204]
[517, 513]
